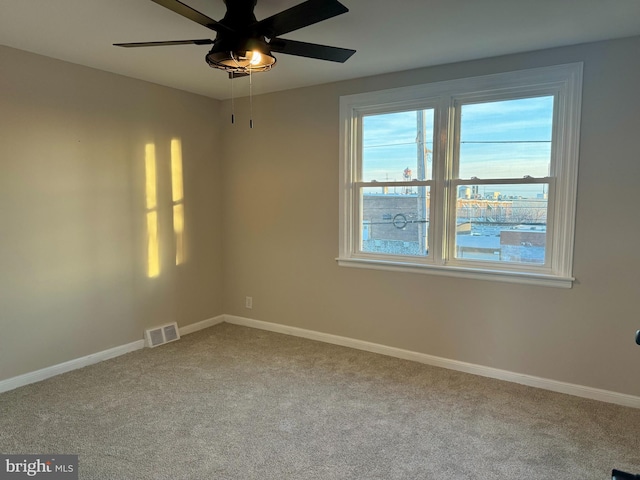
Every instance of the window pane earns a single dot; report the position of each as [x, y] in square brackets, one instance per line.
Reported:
[502, 223]
[395, 223]
[506, 139]
[397, 146]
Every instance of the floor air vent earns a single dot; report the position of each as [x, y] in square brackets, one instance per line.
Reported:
[161, 335]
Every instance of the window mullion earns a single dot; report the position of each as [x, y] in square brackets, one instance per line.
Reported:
[450, 122]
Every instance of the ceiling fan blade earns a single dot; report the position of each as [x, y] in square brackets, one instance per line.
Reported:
[302, 15]
[311, 50]
[192, 14]
[204, 41]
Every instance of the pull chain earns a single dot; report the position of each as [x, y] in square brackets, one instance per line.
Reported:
[233, 108]
[250, 99]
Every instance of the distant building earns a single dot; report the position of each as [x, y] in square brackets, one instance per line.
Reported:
[488, 229]
[395, 223]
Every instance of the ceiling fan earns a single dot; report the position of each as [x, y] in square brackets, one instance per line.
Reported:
[244, 45]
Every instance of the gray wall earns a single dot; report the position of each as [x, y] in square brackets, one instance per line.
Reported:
[73, 261]
[280, 236]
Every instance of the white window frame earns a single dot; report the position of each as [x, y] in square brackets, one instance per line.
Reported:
[562, 81]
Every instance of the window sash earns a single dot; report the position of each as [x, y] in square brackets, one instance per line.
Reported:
[452, 224]
[359, 207]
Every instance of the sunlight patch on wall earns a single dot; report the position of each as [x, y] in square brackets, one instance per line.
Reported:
[177, 195]
[150, 173]
[177, 189]
[178, 228]
[153, 251]
[153, 247]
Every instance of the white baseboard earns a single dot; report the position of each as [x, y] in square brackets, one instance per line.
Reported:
[194, 327]
[48, 372]
[529, 380]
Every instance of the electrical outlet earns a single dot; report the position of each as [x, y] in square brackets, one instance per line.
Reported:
[248, 302]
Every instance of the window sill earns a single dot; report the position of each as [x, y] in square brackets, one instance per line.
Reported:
[460, 272]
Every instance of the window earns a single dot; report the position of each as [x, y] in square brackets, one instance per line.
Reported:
[473, 177]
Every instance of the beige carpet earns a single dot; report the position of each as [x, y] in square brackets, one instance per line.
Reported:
[236, 403]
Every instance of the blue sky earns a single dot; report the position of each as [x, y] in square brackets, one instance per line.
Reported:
[505, 139]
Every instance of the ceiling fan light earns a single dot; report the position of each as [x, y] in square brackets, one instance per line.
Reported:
[242, 61]
[256, 58]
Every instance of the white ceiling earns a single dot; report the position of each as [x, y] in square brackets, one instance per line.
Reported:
[388, 36]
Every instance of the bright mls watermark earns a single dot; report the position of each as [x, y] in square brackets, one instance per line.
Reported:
[50, 467]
